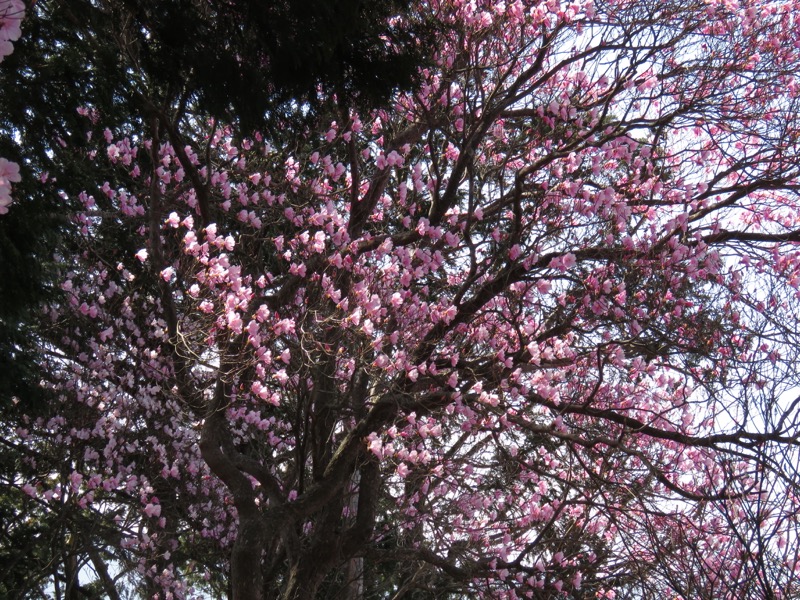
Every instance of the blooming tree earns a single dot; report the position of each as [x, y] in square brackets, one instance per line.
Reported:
[531, 332]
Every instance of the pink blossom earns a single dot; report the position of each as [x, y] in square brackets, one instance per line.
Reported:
[318, 244]
[394, 159]
[375, 445]
[576, 580]
[9, 173]
[563, 262]
[5, 199]
[235, 322]
[11, 14]
[298, 269]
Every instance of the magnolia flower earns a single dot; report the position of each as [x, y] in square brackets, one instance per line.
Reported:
[11, 14]
[9, 173]
[5, 199]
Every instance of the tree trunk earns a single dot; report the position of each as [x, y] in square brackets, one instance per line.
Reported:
[355, 566]
[246, 573]
[355, 579]
[246, 568]
[102, 572]
[302, 584]
[71, 584]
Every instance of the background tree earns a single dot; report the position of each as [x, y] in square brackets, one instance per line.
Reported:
[530, 332]
[76, 63]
